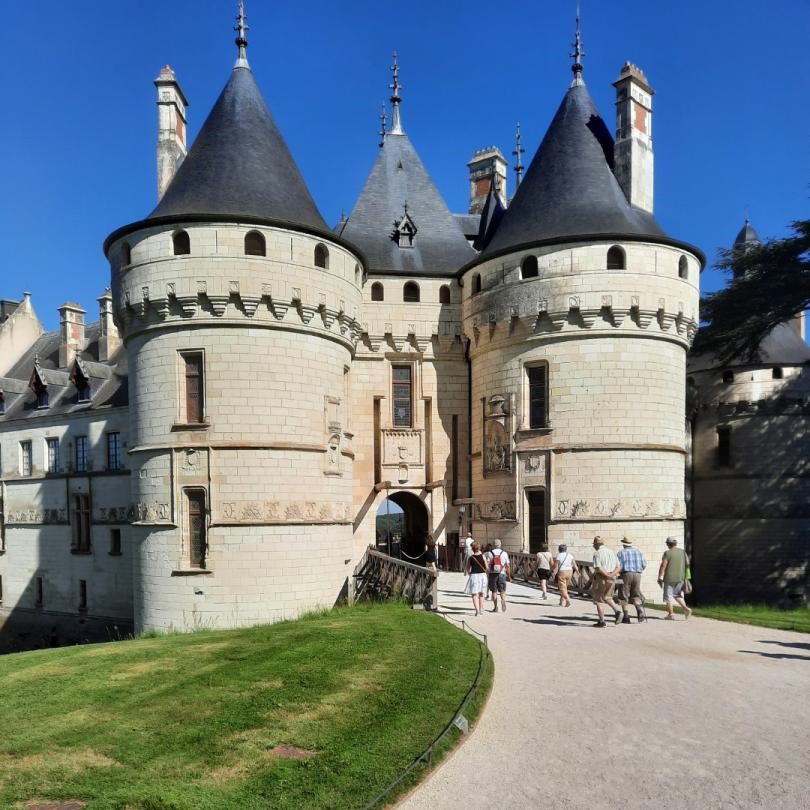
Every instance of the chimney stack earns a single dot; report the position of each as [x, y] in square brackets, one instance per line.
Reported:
[108, 338]
[633, 150]
[171, 144]
[71, 333]
[486, 165]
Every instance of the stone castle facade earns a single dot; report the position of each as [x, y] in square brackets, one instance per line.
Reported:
[215, 450]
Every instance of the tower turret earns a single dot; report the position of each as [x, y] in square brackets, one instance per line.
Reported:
[171, 143]
[633, 152]
[487, 169]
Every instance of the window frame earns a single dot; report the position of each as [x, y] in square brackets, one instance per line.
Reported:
[320, 254]
[476, 284]
[395, 422]
[683, 267]
[81, 454]
[184, 416]
[444, 294]
[408, 288]
[375, 287]
[26, 458]
[80, 523]
[724, 456]
[189, 495]
[114, 451]
[616, 250]
[53, 453]
[181, 243]
[260, 248]
[531, 272]
[531, 388]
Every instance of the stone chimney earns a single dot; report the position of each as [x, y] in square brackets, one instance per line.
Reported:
[171, 143]
[633, 150]
[485, 166]
[109, 340]
[71, 333]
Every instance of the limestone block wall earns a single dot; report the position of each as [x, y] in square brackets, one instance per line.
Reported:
[37, 535]
[273, 454]
[427, 336]
[610, 459]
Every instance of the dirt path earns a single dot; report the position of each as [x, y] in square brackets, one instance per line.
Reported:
[698, 714]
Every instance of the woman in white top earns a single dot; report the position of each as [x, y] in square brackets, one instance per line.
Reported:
[544, 563]
[564, 568]
[477, 567]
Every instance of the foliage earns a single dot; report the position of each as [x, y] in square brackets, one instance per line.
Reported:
[192, 721]
[770, 284]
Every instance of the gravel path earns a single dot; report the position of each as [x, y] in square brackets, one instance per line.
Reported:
[698, 714]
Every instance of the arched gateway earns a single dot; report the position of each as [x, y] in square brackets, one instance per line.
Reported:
[402, 524]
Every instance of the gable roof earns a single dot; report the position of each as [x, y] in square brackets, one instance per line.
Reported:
[570, 191]
[397, 179]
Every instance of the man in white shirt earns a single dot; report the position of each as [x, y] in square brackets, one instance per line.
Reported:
[468, 544]
[499, 570]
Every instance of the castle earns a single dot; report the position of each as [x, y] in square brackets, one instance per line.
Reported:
[214, 451]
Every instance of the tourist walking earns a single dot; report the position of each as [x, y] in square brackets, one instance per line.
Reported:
[672, 575]
[477, 569]
[565, 566]
[632, 564]
[605, 570]
[499, 570]
[544, 564]
[466, 550]
[430, 553]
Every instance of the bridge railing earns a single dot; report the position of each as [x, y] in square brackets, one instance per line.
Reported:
[379, 577]
[524, 567]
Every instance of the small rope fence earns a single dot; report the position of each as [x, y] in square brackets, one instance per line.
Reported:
[426, 757]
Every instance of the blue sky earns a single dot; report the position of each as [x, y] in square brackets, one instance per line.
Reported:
[731, 122]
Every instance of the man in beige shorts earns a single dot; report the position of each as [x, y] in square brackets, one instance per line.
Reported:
[606, 568]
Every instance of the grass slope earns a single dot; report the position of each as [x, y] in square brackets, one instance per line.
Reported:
[797, 619]
[190, 721]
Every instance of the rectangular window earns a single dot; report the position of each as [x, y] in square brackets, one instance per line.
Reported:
[1, 590]
[193, 387]
[40, 595]
[536, 502]
[402, 395]
[113, 451]
[80, 460]
[724, 447]
[195, 501]
[53, 455]
[115, 541]
[25, 458]
[80, 519]
[82, 596]
[538, 411]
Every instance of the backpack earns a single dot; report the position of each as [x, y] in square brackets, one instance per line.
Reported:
[497, 567]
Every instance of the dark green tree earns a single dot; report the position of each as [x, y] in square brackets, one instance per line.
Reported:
[770, 283]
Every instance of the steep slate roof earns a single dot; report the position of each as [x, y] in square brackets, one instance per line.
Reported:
[569, 189]
[399, 178]
[240, 166]
[491, 217]
[746, 235]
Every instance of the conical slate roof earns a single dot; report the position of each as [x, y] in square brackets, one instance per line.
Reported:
[240, 166]
[399, 179]
[747, 235]
[491, 216]
[570, 189]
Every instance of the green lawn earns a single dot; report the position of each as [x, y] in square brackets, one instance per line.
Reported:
[192, 721]
[797, 619]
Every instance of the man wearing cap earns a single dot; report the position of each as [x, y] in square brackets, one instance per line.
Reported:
[672, 575]
[633, 563]
[605, 570]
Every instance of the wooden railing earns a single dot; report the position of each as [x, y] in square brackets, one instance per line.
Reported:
[524, 566]
[379, 577]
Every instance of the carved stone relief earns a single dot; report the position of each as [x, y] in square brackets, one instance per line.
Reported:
[496, 510]
[262, 512]
[620, 508]
[497, 455]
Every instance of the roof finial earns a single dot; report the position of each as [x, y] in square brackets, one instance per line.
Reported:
[396, 124]
[577, 55]
[517, 152]
[383, 122]
[241, 29]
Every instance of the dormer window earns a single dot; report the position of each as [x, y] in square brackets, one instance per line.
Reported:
[404, 230]
[81, 379]
[39, 386]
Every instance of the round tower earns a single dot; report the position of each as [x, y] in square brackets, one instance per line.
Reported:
[579, 312]
[238, 308]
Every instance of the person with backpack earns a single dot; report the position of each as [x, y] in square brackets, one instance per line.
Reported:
[499, 571]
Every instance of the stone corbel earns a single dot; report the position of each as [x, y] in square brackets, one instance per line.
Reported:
[279, 309]
[219, 303]
[589, 316]
[305, 312]
[162, 308]
[188, 304]
[327, 316]
[374, 341]
[250, 303]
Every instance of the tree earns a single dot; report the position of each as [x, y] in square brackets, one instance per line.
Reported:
[770, 284]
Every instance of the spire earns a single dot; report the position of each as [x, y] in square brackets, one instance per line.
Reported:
[518, 152]
[241, 29]
[383, 122]
[396, 125]
[577, 55]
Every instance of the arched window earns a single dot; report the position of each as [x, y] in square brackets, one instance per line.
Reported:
[728, 376]
[528, 267]
[377, 292]
[254, 244]
[615, 258]
[182, 244]
[476, 283]
[321, 257]
[126, 253]
[410, 293]
[683, 268]
[444, 294]
[776, 373]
